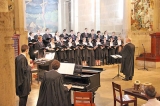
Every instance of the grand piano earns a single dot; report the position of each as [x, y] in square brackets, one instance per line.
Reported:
[84, 79]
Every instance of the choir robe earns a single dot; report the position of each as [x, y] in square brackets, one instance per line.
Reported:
[111, 51]
[52, 91]
[127, 67]
[98, 51]
[70, 52]
[78, 54]
[22, 76]
[91, 59]
[105, 51]
[61, 52]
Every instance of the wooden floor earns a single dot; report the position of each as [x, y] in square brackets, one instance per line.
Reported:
[104, 95]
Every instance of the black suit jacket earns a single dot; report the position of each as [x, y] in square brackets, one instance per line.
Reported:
[40, 47]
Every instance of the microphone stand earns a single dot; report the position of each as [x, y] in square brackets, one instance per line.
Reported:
[144, 67]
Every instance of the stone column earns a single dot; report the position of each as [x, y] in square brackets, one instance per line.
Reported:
[20, 21]
[7, 70]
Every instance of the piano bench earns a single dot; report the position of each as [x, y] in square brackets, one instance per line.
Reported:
[35, 71]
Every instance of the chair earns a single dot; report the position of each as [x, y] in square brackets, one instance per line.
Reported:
[123, 100]
[35, 71]
[83, 99]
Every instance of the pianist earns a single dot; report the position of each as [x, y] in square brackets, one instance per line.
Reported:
[52, 91]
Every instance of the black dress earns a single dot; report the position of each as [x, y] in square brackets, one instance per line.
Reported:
[98, 51]
[91, 57]
[84, 52]
[78, 54]
[52, 92]
[61, 52]
[70, 52]
[105, 51]
[111, 51]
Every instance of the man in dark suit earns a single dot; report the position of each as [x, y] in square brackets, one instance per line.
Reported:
[85, 34]
[72, 35]
[40, 47]
[99, 35]
[114, 37]
[92, 35]
[22, 76]
[64, 34]
[127, 67]
[46, 37]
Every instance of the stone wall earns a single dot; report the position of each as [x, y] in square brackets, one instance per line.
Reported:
[111, 15]
[7, 82]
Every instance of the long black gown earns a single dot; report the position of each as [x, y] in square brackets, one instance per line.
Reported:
[84, 52]
[22, 74]
[70, 52]
[111, 51]
[98, 51]
[127, 67]
[61, 52]
[105, 51]
[91, 59]
[52, 92]
[78, 54]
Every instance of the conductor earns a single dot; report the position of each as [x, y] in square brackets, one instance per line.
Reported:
[127, 67]
[52, 91]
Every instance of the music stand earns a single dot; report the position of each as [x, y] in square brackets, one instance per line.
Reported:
[144, 65]
[117, 57]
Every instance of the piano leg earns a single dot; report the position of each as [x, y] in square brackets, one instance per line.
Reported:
[93, 96]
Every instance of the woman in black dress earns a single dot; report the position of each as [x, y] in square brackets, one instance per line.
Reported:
[105, 44]
[111, 51]
[91, 59]
[98, 52]
[61, 50]
[52, 47]
[70, 50]
[78, 54]
[84, 52]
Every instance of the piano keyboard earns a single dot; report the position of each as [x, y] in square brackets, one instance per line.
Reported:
[75, 86]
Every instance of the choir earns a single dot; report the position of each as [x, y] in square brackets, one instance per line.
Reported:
[82, 49]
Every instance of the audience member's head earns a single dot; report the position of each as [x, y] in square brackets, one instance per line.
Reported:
[24, 48]
[55, 64]
[150, 92]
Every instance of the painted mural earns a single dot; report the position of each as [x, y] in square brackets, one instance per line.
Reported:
[142, 15]
[41, 14]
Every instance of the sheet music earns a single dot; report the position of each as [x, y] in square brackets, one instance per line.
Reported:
[116, 56]
[49, 56]
[66, 68]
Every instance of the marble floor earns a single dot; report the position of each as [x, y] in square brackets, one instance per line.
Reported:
[104, 95]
